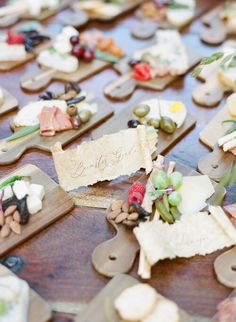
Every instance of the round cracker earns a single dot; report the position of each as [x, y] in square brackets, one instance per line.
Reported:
[136, 302]
[165, 311]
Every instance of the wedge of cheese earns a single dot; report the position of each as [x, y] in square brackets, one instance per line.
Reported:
[195, 190]
[12, 52]
[179, 17]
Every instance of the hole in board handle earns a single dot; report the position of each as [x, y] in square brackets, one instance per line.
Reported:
[215, 166]
[233, 268]
[4, 150]
[112, 257]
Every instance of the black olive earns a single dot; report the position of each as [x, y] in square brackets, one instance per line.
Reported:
[23, 210]
[76, 87]
[29, 48]
[13, 201]
[67, 88]
[133, 123]
[143, 214]
[76, 100]
[46, 95]
[134, 62]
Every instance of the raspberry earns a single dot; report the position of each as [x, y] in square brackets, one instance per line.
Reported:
[135, 197]
[137, 187]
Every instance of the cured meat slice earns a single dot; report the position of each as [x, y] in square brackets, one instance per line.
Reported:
[62, 121]
[46, 121]
[226, 311]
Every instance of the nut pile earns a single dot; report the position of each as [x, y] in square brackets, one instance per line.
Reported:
[10, 221]
[121, 212]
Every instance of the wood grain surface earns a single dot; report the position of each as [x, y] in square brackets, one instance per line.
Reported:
[58, 260]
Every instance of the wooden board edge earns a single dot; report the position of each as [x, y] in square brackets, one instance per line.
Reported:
[6, 109]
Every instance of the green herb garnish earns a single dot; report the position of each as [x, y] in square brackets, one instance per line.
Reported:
[24, 132]
[207, 61]
[10, 181]
[176, 5]
[106, 57]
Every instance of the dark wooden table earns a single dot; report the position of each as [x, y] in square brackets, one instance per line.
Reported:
[58, 260]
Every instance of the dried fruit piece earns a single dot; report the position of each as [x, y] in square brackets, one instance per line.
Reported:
[125, 207]
[113, 214]
[135, 197]
[16, 216]
[10, 210]
[121, 217]
[8, 220]
[15, 227]
[137, 187]
[133, 216]
[5, 231]
[116, 204]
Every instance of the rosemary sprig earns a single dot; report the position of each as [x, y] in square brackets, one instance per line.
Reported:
[229, 121]
[21, 133]
[176, 5]
[207, 61]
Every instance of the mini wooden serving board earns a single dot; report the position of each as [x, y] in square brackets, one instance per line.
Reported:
[9, 65]
[102, 306]
[147, 27]
[12, 151]
[218, 162]
[42, 78]
[10, 103]
[125, 85]
[56, 203]
[39, 310]
[215, 32]
[165, 141]
[78, 17]
[118, 254]
[212, 91]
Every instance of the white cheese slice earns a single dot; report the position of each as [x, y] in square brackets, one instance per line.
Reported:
[8, 193]
[227, 77]
[37, 190]
[174, 110]
[165, 311]
[182, 16]
[28, 115]
[34, 204]
[195, 190]
[36, 7]
[21, 189]
[169, 52]
[64, 63]
[154, 108]
[62, 42]
[12, 52]
[15, 293]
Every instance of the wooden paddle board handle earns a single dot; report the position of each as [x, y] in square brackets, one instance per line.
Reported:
[117, 255]
[10, 153]
[216, 163]
[210, 93]
[225, 268]
[75, 18]
[144, 29]
[215, 34]
[37, 81]
[122, 88]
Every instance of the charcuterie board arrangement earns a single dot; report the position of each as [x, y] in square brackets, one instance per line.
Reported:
[217, 73]
[160, 14]
[73, 57]
[101, 11]
[153, 67]
[38, 10]
[128, 187]
[220, 23]
[57, 117]
[21, 44]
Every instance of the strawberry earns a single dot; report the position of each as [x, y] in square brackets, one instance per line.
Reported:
[135, 197]
[137, 187]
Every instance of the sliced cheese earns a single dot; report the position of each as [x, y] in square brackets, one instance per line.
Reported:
[195, 190]
[174, 110]
[62, 62]
[28, 115]
[165, 311]
[182, 16]
[12, 52]
[231, 104]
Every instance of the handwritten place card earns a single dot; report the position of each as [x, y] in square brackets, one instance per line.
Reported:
[197, 234]
[107, 158]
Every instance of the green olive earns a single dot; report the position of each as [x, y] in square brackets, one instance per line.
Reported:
[167, 124]
[154, 123]
[141, 110]
[72, 110]
[85, 116]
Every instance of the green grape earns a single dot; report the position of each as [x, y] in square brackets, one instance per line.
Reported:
[3, 308]
[160, 180]
[174, 198]
[176, 179]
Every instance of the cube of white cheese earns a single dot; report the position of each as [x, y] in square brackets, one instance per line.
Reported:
[37, 190]
[34, 204]
[8, 193]
[21, 189]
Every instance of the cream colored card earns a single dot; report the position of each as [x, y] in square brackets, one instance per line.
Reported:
[107, 158]
[198, 234]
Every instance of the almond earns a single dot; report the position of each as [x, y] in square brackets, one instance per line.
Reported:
[133, 216]
[2, 219]
[16, 216]
[8, 219]
[116, 204]
[5, 231]
[121, 217]
[125, 207]
[10, 210]
[113, 214]
[15, 227]
[130, 223]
